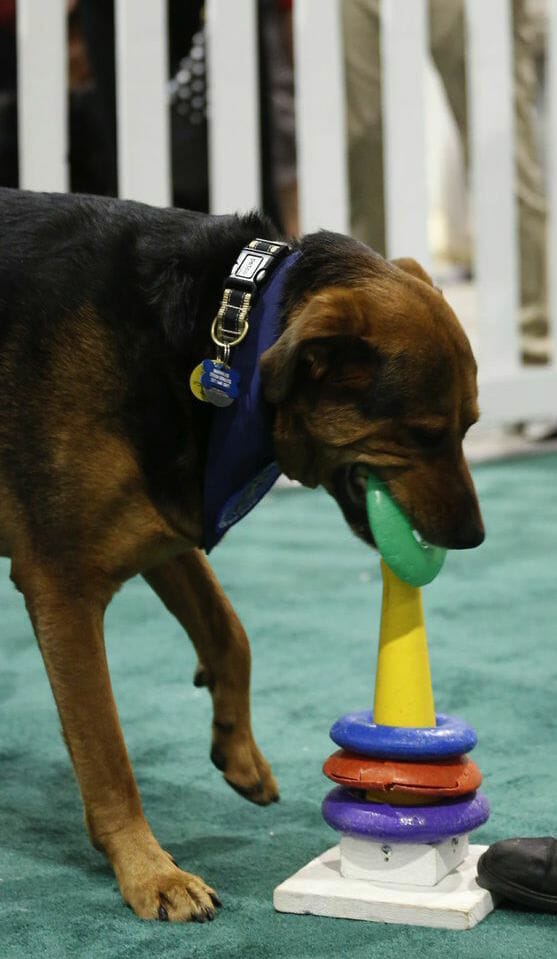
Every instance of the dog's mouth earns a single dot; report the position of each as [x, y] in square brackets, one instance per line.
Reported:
[349, 485]
[350, 491]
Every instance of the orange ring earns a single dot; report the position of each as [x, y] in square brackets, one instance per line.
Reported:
[393, 779]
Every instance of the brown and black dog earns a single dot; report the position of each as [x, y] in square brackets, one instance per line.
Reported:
[105, 308]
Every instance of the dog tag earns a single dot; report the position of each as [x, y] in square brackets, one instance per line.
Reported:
[195, 383]
[219, 383]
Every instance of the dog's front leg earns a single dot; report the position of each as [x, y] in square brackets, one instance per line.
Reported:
[189, 589]
[69, 626]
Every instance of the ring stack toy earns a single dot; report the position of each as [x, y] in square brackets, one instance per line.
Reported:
[406, 795]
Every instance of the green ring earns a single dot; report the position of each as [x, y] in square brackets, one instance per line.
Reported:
[414, 561]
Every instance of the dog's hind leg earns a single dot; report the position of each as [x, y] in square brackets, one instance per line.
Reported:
[190, 590]
[67, 614]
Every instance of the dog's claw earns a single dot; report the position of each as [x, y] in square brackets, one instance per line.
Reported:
[200, 676]
[215, 900]
[254, 794]
[163, 915]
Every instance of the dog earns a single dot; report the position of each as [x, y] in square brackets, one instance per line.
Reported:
[106, 307]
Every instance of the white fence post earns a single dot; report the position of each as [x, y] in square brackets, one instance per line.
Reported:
[508, 391]
[491, 120]
[42, 67]
[403, 55]
[233, 90]
[142, 101]
[320, 116]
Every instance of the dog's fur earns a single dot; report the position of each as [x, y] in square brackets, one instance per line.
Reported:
[105, 308]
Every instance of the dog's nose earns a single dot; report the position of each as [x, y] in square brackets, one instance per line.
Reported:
[468, 535]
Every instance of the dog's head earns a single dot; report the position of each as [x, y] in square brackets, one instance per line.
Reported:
[378, 375]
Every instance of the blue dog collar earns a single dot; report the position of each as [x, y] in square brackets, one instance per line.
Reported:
[241, 465]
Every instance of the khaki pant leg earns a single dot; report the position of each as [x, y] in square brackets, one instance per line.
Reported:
[363, 83]
[447, 28]
[448, 49]
[532, 207]
[362, 53]
[362, 62]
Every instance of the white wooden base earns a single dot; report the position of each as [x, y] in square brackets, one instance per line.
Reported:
[411, 863]
[457, 902]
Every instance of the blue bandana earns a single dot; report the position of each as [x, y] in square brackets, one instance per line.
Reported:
[241, 465]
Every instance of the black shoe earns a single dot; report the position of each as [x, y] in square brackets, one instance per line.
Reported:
[522, 870]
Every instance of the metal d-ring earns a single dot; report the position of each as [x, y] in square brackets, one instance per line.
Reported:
[242, 320]
[224, 353]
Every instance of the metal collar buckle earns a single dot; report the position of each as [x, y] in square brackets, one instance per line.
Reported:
[250, 269]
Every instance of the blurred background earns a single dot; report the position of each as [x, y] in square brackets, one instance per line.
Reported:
[425, 128]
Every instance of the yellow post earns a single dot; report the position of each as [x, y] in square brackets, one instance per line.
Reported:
[403, 691]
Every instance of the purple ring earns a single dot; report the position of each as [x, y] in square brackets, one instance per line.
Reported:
[357, 817]
[358, 733]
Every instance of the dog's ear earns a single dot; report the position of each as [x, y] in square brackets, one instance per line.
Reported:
[330, 329]
[412, 266]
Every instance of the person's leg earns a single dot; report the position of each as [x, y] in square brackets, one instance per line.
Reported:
[447, 37]
[447, 32]
[362, 58]
[532, 207]
[448, 49]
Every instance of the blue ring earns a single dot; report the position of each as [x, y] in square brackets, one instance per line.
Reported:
[358, 733]
[423, 824]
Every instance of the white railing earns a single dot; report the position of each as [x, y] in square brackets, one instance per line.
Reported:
[509, 392]
[143, 139]
[42, 95]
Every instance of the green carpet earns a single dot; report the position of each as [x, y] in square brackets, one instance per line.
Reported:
[308, 593]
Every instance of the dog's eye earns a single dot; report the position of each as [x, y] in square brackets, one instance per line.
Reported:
[427, 438]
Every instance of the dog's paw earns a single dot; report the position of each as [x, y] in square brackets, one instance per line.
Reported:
[244, 768]
[170, 895]
[153, 884]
